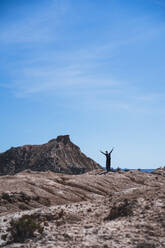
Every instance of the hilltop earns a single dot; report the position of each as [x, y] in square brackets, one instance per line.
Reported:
[58, 155]
[75, 203]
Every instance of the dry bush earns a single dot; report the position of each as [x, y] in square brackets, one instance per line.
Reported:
[121, 209]
[24, 228]
[4, 236]
[23, 207]
[145, 245]
[42, 217]
[15, 197]
[6, 196]
[42, 200]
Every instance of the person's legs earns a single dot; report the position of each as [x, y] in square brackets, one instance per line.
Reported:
[107, 166]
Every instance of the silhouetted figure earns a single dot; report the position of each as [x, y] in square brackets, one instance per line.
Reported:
[108, 159]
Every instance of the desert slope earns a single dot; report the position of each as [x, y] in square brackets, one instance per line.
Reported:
[95, 209]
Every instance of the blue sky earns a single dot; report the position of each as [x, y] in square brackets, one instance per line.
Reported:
[93, 69]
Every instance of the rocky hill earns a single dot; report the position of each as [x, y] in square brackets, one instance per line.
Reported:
[95, 209]
[58, 155]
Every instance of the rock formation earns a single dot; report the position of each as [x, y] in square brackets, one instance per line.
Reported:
[58, 155]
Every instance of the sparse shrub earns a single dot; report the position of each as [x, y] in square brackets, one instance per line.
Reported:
[48, 216]
[121, 209]
[24, 228]
[23, 207]
[36, 198]
[45, 201]
[147, 207]
[42, 200]
[4, 236]
[24, 197]
[46, 223]
[6, 196]
[15, 197]
[145, 245]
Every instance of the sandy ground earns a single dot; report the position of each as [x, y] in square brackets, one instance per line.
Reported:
[117, 210]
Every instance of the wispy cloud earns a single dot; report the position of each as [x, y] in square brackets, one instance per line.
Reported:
[40, 25]
[55, 70]
[150, 97]
[83, 70]
[69, 79]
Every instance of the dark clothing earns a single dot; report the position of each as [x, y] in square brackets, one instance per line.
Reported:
[108, 161]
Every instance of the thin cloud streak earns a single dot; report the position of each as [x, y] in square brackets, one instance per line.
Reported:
[37, 27]
[71, 70]
[149, 97]
[80, 67]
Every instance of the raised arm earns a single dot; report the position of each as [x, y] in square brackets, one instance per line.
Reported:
[112, 150]
[103, 153]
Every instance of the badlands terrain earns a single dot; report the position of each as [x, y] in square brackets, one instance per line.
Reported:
[95, 209]
[57, 155]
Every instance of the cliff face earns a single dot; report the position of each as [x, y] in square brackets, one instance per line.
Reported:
[58, 155]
